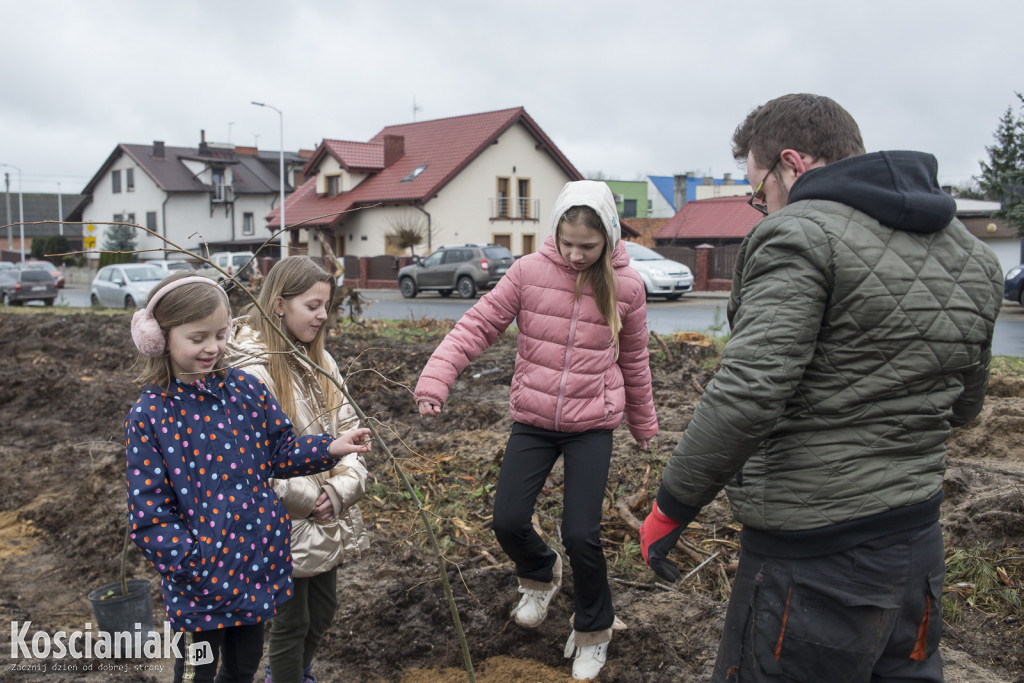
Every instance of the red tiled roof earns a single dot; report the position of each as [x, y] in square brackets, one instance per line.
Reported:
[712, 219]
[443, 146]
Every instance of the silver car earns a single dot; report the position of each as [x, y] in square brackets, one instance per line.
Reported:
[661, 276]
[124, 285]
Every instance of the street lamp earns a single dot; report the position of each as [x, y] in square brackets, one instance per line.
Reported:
[284, 235]
[21, 209]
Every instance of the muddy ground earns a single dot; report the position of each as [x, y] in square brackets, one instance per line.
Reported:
[65, 387]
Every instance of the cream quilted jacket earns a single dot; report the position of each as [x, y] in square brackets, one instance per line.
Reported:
[316, 546]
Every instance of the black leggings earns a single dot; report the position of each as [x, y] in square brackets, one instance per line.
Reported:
[238, 649]
[529, 456]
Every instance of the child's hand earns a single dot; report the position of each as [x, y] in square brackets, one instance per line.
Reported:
[352, 441]
[428, 408]
[324, 509]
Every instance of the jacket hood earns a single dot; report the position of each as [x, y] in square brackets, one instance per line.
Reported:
[245, 346]
[899, 189]
[596, 195]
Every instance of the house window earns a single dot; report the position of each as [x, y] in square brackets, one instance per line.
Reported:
[129, 179]
[131, 218]
[529, 245]
[151, 221]
[413, 173]
[119, 218]
[218, 184]
[523, 187]
[248, 223]
[629, 208]
[333, 185]
[115, 181]
[503, 240]
[501, 210]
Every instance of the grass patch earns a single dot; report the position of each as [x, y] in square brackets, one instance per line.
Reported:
[984, 579]
[1012, 366]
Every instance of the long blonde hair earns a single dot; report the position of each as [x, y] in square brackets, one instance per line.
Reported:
[289, 278]
[180, 306]
[601, 277]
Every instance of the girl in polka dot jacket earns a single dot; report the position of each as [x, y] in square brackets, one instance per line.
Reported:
[202, 444]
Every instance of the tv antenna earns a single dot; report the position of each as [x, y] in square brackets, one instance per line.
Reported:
[415, 108]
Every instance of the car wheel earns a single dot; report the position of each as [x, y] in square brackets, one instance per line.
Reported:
[94, 301]
[408, 287]
[47, 302]
[466, 287]
[129, 303]
[445, 293]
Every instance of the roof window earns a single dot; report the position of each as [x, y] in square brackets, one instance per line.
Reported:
[413, 173]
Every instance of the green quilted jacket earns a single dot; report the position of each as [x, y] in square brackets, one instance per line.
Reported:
[861, 320]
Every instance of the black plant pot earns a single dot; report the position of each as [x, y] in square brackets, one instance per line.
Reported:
[131, 612]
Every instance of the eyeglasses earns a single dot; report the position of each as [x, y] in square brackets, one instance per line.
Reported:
[758, 200]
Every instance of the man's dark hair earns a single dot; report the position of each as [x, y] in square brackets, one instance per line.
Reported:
[812, 124]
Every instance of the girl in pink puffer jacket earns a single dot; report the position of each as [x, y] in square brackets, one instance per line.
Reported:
[581, 368]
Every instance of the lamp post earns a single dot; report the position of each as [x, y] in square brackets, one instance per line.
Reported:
[21, 210]
[285, 236]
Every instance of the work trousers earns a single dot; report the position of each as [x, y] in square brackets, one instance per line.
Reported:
[299, 625]
[238, 650]
[872, 613]
[530, 454]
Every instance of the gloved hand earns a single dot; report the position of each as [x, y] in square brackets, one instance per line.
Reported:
[658, 535]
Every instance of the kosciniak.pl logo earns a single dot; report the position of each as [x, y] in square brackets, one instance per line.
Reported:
[86, 644]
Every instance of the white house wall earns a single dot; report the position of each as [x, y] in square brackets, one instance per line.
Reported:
[185, 218]
[461, 211]
[660, 208]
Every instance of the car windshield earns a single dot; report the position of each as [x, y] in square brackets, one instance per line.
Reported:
[497, 253]
[140, 274]
[35, 275]
[638, 252]
[39, 266]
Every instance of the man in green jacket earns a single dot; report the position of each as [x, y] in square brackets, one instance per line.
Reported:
[861, 318]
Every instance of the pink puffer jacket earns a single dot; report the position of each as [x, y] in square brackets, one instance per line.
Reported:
[567, 378]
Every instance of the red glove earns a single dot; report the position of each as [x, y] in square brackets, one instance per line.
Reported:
[658, 535]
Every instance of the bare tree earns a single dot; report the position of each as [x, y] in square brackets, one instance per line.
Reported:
[408, 231]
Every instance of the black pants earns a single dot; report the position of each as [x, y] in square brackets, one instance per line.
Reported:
[300, 623]
[529, 456]
[870, 613]
[238, 649]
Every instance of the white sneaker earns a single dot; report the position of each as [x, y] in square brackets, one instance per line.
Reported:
[588, 660]
[533, 606]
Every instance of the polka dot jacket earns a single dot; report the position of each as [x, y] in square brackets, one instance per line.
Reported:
[200, 458]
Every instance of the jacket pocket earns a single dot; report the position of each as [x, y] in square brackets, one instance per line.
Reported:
[811, 627]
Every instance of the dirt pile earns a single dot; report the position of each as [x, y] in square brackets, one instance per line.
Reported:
[65, 387]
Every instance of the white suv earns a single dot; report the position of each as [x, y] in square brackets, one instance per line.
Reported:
[237, 264]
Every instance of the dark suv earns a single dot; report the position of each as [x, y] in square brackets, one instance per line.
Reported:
[29, 284]
[463, 267]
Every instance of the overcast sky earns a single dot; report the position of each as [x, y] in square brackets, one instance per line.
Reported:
[624, 89]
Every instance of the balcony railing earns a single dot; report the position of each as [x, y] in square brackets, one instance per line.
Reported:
[520, 208]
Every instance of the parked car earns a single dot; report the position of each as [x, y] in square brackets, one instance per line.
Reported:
[1013, 285]
[462, 267]
[18, 285]
[237, 264]
[52, 270]
[124, 285]
[170, 266]
[6, 265]
[661, 276]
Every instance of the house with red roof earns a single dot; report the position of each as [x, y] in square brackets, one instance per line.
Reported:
[213, 196]
[486, 178]
[718, 222]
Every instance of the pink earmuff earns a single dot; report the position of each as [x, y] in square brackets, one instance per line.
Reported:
[146, 332]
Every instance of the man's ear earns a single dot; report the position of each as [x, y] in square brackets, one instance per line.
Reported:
[793, 162]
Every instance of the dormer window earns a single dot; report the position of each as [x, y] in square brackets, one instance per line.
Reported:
[333, 185]
[413, 173]
[218, 184]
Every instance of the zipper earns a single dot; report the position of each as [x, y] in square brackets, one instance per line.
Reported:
[565, 364]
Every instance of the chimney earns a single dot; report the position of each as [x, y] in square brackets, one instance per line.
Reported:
[679, 191]
[394, 149]
[727, 179]
[158, 149]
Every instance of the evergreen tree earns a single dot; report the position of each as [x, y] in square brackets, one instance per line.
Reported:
[119, 238]
[1002, 178]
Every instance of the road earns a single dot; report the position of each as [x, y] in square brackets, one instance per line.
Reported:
[700, 312]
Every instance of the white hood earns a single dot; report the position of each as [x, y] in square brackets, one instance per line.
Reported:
[596, 195]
